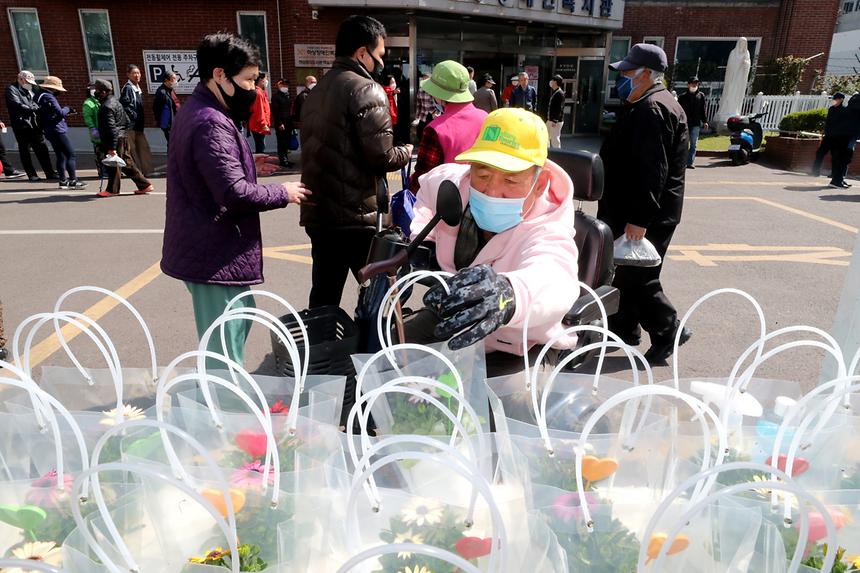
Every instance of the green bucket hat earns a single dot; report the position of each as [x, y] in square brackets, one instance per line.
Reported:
[449, 82]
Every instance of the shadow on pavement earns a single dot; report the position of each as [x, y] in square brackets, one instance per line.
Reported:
[806, 187]
[57, 199]
[724, 163]
[845, 198]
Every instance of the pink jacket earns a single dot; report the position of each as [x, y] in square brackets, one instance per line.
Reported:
[538, 256]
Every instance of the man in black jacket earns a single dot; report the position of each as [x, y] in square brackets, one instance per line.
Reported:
[113, 130]
[21, 102]
[555, 114]
[166, 104]
[835, 115]
[693, 102]
[347, 146]
[282, 120]
[644, 158]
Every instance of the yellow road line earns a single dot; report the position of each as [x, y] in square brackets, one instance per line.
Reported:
[786, 208]
[753, 248]
[287, 257]
[51, 344]
[289, 248]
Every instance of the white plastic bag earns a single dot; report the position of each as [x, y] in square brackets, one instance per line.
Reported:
[636, 253]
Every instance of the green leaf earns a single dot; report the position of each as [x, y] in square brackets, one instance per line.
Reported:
[26, 517]
[145, 447]
[450, 381]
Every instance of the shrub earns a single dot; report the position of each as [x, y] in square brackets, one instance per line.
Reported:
[780, 76]
[812, 120]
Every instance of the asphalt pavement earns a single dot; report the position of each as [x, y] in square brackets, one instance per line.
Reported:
[784, 238]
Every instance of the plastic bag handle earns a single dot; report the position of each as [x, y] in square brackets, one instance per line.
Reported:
[163, 428]
[634, 394]
[229, 533]
[408, 346]
[389, 301]
[265, 420]
[426, 550]
[29, 565]
[788, 486]
[272, 324]
[303, 366]
[697, 304]
[50, 402]
[498, 550]
[146, 332]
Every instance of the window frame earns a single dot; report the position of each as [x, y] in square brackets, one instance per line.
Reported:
[753, 57]
[24, 9]
[607, 97]
[662, 40]
[239, 14]
[101, 73]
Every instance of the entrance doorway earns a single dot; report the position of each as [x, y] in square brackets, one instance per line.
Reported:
[589, 95]
[500, 66]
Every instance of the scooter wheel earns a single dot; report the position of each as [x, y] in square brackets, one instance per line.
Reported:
[743, 157]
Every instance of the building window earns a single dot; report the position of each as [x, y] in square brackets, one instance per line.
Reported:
[707, 58]
[655, 40]
[95, 27]
[27, 37]
[252, 27]
[617, 51]
[848, 7]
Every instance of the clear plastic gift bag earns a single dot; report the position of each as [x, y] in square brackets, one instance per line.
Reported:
[641, 253]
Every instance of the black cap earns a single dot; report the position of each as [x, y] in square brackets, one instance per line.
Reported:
[693, 80]
[558, 79]
[839, 95]
[103, 85]
[489, 78]
[643, 56]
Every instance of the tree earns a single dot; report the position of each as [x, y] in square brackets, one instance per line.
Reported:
[780, 76]
[832, 83]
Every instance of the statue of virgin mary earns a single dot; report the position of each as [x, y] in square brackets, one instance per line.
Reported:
[735, 83]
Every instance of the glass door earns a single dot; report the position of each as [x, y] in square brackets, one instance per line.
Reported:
[589, 95]
[566, 67]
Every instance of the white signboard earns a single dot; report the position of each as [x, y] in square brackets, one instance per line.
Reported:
[314, 55]
[158, 63]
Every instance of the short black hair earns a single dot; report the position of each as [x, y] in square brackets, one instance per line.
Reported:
[356, 32]
[131, 68]
[470, 69]
[224, 50]
[284, 81]
[260, 76]
[169, 75]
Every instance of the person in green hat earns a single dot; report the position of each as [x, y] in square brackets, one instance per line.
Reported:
[456, 129]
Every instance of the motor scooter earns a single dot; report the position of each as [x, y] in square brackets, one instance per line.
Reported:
[746, 137]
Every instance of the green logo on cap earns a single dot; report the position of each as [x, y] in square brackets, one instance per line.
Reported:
[492, 133]
[510, 140]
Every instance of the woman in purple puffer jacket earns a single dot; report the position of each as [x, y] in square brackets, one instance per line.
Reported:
[212, 236]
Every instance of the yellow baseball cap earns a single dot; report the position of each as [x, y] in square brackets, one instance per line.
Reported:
[511, 139]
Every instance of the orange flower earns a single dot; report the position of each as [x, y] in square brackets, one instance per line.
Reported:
[596, 469]
[216, 498]
[658, 539]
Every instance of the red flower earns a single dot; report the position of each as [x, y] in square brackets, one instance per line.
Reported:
[474, 547]
[799, 467]
[252, 443]
[279, 407]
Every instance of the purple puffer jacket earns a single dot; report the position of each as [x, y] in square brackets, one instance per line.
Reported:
[212, 227]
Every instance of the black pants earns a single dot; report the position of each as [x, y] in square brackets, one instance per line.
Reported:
[841, 155]
[643, 302]
[259, 142]
[67, 164]
[7, 167]
[32, 139]
[130, 170]
[823, 149]
[283, 137]
[166, 132]
[335, 252]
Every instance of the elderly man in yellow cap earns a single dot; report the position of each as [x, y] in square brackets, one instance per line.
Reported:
[513, 254]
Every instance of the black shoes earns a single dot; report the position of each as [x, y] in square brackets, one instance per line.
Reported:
[4, 354]
[14, 174]
[662, 349]
[35, 179]
[840, 185]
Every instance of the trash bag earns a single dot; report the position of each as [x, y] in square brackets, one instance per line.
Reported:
[636, 253]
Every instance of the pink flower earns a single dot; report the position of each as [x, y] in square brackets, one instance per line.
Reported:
[251, 475]
[44, 492]
[279, 407]
[566, 506]
[817, 529]
[252, 443]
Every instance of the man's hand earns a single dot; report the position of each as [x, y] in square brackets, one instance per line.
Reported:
[265, 164]
[296, 191]
[634, 233]
[409, 148]
[2, 125]
[111, 152]
[281, 127]
[706, 126]
[480, 302]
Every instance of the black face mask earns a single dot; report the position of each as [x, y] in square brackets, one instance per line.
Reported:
[239, 104]
[378, 66]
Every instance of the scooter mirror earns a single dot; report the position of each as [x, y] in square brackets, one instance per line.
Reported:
[449, 206]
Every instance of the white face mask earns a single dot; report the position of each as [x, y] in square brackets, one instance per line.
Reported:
[693, 89]
[92, 93]
[28, 87]
[310, 87]
[284, 90]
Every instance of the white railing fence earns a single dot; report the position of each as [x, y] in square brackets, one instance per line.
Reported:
[777, 106]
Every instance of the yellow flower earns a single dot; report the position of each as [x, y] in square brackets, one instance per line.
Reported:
[45, 551]
[408, 537]
[215, 555]
[853, 560]
[128, 413]
[422, 512]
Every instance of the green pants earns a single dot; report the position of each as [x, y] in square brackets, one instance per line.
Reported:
[209, 302]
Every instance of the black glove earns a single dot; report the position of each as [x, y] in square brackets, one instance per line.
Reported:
[480, 302]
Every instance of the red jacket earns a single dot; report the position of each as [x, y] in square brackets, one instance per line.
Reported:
[392, 102]
[261, 114]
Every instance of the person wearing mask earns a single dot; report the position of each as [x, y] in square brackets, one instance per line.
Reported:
[456, 129]
[391, 91]
[524, 95]
[513, 255]
[645, 158]
[473, 87]
[131, 99]
[835, 115]
[113, 134]
[693, 102]
[485, 97]
[90, 113]
[509, 90]
[347, 146]
[260, 123]
[301, 97]
[212, 238]
[425, 109]
[20, 101]
[555, 112]
[52, 119]
[282, 119]
[166, 104]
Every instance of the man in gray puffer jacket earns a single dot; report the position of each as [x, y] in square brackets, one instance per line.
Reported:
[347, 145]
